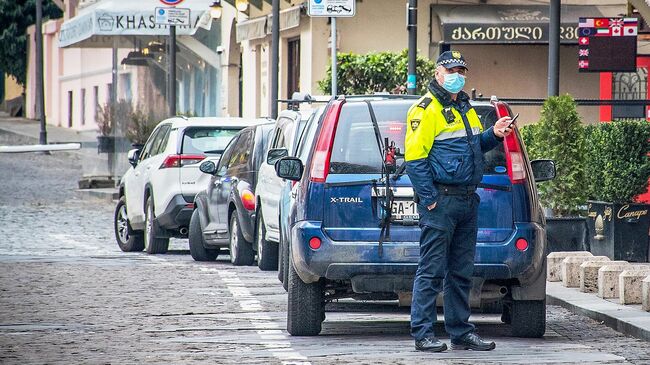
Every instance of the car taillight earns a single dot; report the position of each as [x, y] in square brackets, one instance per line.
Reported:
[247, 199]
[320, 164]
[514, 153]
[181, 160]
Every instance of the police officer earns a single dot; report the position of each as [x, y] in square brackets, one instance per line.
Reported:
[444, 145]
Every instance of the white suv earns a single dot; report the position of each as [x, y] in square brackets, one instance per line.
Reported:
[286, 132]
[156, 194]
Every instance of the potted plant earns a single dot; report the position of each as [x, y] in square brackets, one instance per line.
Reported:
[619, 168]
[140, 126]
[559, 136]
[111, 121]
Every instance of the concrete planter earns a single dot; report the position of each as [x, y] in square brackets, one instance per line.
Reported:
[566, 234]
[619, 231]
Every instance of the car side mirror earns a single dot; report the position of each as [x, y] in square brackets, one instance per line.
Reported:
[543, 170]
[133, 156]
[275, 154]
[289, 168]
[208, 167]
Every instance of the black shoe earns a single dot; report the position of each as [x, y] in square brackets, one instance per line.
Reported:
[430, 344]
[472, 341]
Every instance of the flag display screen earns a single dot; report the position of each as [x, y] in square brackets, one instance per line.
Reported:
[607, 44]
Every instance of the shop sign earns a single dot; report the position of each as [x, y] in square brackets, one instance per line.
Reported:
[510, 33]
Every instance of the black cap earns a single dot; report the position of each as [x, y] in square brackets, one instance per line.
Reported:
[451, 59]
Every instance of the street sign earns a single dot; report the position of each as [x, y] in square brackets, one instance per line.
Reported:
[607, 44]
[331, 8]
[171, 2]
[173, 16]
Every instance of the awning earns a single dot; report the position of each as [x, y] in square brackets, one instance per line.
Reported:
[259, 27]
[95, 25]
[528, 24]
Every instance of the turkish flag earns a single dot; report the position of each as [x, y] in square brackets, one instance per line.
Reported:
[601, 22]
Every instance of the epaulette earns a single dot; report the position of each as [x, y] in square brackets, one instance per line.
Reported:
[425, 103]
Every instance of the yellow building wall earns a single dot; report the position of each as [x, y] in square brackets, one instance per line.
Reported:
[12, 88]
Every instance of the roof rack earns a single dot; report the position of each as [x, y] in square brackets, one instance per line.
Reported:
[380, 96]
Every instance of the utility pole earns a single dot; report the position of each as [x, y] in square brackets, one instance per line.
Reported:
[412, 26]
[275, 57]
[334, 58]
[172, 71]
[40, 85]
[554, 49]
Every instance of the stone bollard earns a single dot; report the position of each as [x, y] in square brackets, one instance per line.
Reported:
[630, 285]
[589, 274]
[554, 263]
[646, 294]
[571, 269]
[608, 280]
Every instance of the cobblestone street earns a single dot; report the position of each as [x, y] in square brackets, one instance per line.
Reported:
[69, 295]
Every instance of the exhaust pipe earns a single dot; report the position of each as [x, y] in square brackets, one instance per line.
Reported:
[183, 231]
[494, 292]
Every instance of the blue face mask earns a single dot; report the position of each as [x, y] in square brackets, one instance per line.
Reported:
[454, 82]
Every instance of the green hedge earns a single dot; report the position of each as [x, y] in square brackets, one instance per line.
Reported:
[606, 161]
[376, 72]
[618, 162]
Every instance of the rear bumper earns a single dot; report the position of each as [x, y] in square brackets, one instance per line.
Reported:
[347, 260]
[177, 213]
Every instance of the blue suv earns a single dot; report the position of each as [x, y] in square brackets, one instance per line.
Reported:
[340, 208]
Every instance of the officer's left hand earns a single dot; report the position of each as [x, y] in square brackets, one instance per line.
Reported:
[501, 127]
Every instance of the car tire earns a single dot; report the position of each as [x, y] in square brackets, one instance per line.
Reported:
[306, 306]
[285, 257]
[153, 244]
[267, 252]
[197, 244]
[241, 252]
[528, 318]
[127, 239]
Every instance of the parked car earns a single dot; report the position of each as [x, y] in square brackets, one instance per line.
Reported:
[334, 224]
[224, 214]
[288, 128]
[156, 194]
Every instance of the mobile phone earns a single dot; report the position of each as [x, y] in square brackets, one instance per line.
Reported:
[512, 121]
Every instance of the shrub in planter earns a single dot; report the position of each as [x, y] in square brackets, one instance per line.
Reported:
[619, 168]
[111, 122]
[559, 136]
[140, 126]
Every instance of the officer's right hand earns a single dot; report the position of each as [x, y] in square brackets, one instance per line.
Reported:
[432, 206]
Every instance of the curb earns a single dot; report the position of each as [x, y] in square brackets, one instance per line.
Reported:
[107, 195]
[627, 319]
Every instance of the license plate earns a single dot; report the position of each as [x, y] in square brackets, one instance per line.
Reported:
[404, 210]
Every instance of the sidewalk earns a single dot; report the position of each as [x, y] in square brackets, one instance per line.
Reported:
[27, 131]
[627, 319]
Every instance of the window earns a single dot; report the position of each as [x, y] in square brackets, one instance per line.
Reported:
[293, 64]
[83, 106]
[307, 138]
[96, 98]
[355, 149]
[146, 151]
[497, 156]
[206, 140]
[282, 133]
[629, 86]
[242, 149]
[70, 110]
[160, 142]
[226, 157]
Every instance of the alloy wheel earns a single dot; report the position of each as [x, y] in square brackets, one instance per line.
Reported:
[122, 224]
[149, 227]
[260, 246]
[234, 241]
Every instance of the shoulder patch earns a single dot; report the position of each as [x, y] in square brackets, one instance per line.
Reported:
[424, 103]
[415, 123]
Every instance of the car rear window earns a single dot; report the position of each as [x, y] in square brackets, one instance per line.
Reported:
[206, 140]
[355, 148]
[495, 160]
